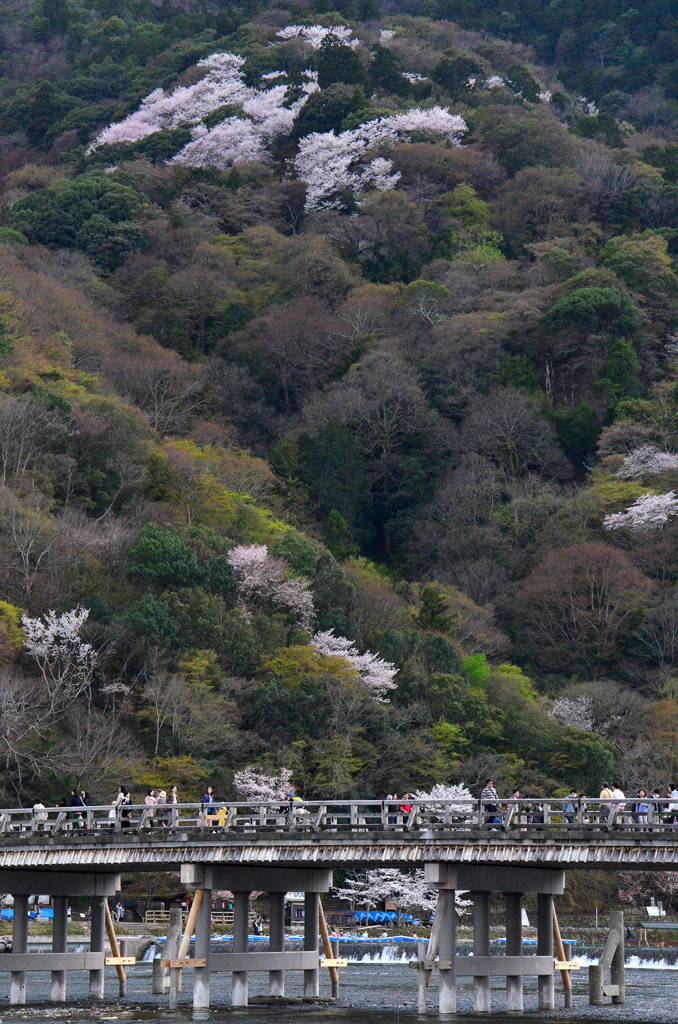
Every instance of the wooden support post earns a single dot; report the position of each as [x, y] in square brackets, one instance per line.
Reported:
[546, 997]
[115, 948]
[59, 945]
[172, 951]
[122, 985]
[617, 965]
[335, 953]
[434, 937]
[188, 932]
[17, 983]
[611, 957]
[158, 975]
[311, 918]
[325, 936]
[560, 953]
[96, 945]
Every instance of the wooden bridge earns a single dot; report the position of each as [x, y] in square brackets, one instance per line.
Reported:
[513, 848]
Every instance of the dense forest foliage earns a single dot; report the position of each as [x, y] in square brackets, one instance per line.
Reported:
[338, 395]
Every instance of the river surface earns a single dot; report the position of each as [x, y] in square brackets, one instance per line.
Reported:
[381, 992]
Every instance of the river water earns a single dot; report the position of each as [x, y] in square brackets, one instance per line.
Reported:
[380, 989]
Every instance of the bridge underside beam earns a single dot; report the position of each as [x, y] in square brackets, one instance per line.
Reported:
[58, 883]
[494, 878]
[256, 878]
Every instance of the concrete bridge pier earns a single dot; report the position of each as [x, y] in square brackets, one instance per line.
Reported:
[17, 983]
[481, 880]
[203, 935]
[96, 945]
[482, 1002]
[59, 945]
[311, 939]
[241, 914]
[447, 950]
[514, 947]
[545, 983]
[276, 913]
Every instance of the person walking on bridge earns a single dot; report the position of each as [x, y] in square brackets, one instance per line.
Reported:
[604, 808]
[489, 799]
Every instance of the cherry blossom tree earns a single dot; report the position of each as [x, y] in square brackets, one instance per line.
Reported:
[222, 84]
[639, 886]
[646, 459]
[330, 164]
[376, 673]
[648, 513]
[407, 890]
[65, 660]
[573, 711]
[315, 35]
[457, 798]
[263, 578]
[254, 783]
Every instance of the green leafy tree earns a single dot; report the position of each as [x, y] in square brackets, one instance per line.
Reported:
[386, 72]
[453, 71]
[325, 110]
[433, 609]
[604, 310]
[619, 376]
[336, 62]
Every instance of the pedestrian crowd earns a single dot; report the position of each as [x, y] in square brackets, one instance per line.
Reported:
[576, 808]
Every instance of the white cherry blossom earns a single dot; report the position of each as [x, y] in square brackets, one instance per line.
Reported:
[649, 513]
[254, 783]
[262, 578]
[646, 459]
[375, 672]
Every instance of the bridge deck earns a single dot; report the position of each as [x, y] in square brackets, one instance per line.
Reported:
[168, 849]
[553, 833]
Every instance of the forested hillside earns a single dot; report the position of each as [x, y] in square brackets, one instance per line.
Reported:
[338, 395]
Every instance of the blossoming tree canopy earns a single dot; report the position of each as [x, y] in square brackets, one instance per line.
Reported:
[315, 35]
[65, 660]
[649, 513]
[255, 783]
[329, 162]
[646, 459]
[376, 673]
[263, 578]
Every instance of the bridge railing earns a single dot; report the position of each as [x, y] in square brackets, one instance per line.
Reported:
[552, 814]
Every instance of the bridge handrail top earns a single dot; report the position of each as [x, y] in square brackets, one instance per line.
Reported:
[276, 804]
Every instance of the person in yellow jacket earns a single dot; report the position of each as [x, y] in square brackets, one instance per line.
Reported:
[604, 809]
